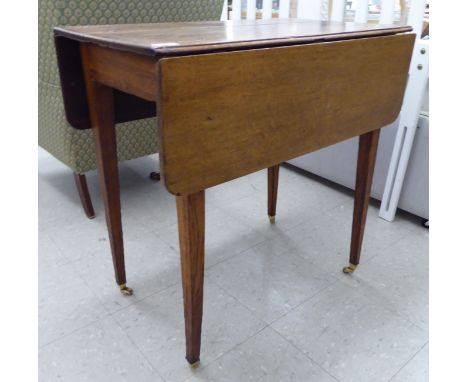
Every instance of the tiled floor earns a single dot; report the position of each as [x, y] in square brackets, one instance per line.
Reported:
[277, 307]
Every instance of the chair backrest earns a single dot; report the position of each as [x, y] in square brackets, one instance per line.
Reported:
[359, 11]
[54, 13]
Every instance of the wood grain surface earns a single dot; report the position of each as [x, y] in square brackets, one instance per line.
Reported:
[83, 192]
[367, 154]
[210, 36]
[191, 219]
[126, 71]
[225, 115]
[273, 177]
[101, 110]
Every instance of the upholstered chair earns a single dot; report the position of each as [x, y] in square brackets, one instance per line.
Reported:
[75, 148]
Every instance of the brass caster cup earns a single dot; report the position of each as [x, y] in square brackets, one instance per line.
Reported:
[272, 219]
[156, 176]
[125, 290]
[195, 365]
[350, 268]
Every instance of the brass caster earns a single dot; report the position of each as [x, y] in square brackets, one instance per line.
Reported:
[195, 365]
[350, 268]
[125, 290]
[272, 219]
[156, 176]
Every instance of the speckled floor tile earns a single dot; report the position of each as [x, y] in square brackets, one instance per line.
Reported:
[264, 357]
[49, 254]
[252, 210]
[237, 188]
[156, 326]
[269, 284]
[78, 237]
[224, 236]
[99, 352]
[324, 242]
[399, 278]
[382, 232]
[416, 370]
[151, 266]
[56, 200]
[66, 303]
[308, 191]
[370, 326]
[350, 336]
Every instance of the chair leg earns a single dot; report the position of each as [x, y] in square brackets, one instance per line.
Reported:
[273, 175]
[82, 186]
[156, 176]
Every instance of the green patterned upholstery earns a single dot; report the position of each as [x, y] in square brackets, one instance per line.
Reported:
[74, 147]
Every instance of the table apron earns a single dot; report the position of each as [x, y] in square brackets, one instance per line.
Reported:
[129, 72]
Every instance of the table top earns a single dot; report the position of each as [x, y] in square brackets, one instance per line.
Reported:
[162, 39]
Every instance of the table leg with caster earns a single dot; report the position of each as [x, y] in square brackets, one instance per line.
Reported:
[273, 175]
[191, 220]
[101, 110]
[365, 170]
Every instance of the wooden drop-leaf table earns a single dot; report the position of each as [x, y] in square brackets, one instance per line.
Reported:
[231, 98]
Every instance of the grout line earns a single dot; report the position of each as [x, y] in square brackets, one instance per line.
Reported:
[394, 312]
[267, 325]
[63, 256]
[400, 315]
[308, 357]
[155, 369]
[106, 315]
[305, 301]
[98, 300]
[284, 314]
[227, 259]
[144, 298]
[382, 306]
[415, 354]
[385, 307]
[238, 301]
[202, 367]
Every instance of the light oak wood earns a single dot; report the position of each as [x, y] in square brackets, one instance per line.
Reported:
[191, 218]
[286, 102]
